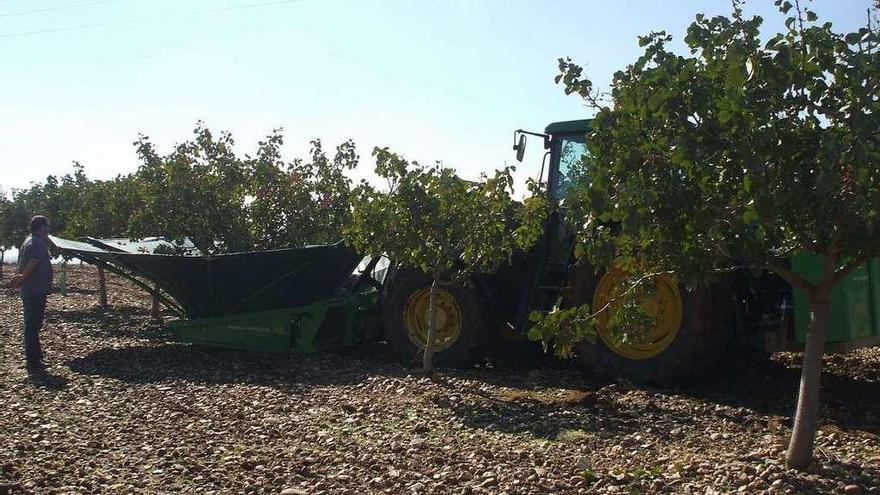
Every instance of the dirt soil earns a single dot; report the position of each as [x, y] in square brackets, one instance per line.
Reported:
[122, 409]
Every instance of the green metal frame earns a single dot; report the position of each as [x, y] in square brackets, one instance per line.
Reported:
[304, 329]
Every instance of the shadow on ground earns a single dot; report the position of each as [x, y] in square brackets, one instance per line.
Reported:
[757, 383]
[46, 380]
[541, 418]
[118, 321]
[770, 387]
[761, 385]
[80, 290]
[211, 365]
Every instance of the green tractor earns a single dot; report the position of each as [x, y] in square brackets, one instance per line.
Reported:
[691, 329]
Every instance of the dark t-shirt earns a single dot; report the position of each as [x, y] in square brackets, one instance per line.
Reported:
[40, 280]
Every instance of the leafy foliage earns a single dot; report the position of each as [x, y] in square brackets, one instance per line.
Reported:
[432, 220]
[107, 207]
[740, 155]
[300, 203]
[562, 329]
[196, 191]
[6, 209]
[202, 190]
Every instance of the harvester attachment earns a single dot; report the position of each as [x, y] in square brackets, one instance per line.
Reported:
[300, 299]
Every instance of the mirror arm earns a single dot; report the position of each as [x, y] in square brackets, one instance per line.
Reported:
[517, 132]
[519, 142]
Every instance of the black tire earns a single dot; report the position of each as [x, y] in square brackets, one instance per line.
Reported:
[465, 351]
[706, 334]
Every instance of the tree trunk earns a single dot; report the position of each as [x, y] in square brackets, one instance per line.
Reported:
[2, 262]
[102, 288]
[155, 316]
[428, 357]
[803, 435]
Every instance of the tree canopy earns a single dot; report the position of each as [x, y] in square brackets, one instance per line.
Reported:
[430, 219]
[300, 202]
[202, 190]
[740, 154]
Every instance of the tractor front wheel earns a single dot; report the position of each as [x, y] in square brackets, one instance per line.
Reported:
[461, 328]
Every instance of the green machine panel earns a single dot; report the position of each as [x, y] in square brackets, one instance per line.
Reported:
[855, 301]
[328, 324]
[874, 273]
[267, 331]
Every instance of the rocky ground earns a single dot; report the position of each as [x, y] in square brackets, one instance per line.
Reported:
[124, 410]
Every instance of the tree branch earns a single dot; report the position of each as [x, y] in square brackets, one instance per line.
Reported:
[729, 269]
[791, 277]
[632, 287]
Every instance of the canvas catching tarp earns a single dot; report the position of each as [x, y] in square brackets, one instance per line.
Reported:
[234, 283]
[148, 245]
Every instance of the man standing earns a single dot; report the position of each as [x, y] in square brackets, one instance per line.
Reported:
[34, 281]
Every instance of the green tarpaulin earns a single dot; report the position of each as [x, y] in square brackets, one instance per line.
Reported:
[149, 245]
[232, 283]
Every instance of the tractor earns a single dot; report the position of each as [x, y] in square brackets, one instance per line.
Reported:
[691, 330]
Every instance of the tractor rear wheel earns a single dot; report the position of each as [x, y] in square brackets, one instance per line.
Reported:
[461, 327]
[691, 332]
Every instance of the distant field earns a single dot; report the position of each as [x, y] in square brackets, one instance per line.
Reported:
[10, 256]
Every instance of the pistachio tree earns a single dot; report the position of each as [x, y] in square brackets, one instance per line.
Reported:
[224, 201]
[430, 219]
[299, 202]
[741, 154]
[104, 208]
[197, 191]
[56, 197]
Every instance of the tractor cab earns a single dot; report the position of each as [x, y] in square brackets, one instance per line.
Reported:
[565, 143]
[548, 266]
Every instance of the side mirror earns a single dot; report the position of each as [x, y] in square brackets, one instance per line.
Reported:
[520, 148]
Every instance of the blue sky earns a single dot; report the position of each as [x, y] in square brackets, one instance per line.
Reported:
[436, 80]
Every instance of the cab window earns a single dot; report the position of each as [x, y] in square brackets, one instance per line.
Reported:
[571, 151]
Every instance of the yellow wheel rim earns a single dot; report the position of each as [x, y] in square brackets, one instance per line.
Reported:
[417, 316]
[663, 305]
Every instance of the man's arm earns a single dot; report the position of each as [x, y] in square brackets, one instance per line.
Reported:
[29, 268]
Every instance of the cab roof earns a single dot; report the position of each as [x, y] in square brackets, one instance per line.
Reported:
[569, 127]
